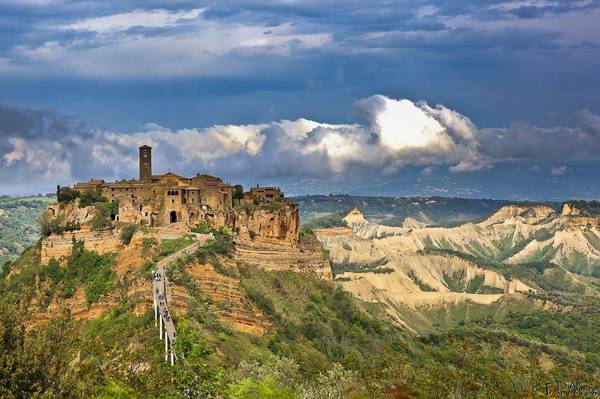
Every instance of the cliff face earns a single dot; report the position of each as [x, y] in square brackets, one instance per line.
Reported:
[58, 245]
[233, 306]
[304, 258]
[269, 225]
[71, 213]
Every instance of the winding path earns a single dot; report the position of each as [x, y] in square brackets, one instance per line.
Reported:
[161, 297]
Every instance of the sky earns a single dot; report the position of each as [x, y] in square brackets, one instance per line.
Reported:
[469, 98]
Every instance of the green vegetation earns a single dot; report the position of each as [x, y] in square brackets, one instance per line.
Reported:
[19, 226]
[591, 208]
[361, 267]
[326, 221]
[307, 236]
[84, 268]
[169, 247]
[65, 195]
[203, 228]
[90, 197]
[221, 244]
[540, 274]
[393, 210]
[424, 287]
[127, 232]
[105, 215]
[323, 343]
[55, 225]
[238, 192]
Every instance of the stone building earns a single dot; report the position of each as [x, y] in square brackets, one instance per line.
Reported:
[263, 195]
[158, 200]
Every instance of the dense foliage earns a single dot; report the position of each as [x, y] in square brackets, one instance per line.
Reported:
[323, 344]
[331, 220]
[65, 195]
[105, 215]
[18, 224]
[84, 268]
[127, 232]
[90, 197]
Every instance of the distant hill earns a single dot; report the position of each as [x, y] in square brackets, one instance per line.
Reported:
[391, 211]
[18, 227]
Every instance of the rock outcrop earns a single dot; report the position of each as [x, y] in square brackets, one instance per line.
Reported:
[303, 258]
[354, 217]
[59, 245]
[234, 307]
[269, 225]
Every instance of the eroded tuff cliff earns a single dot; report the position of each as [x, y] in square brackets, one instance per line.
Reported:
[60, 245]
[232, 304]
[303, 258]
[276, 225]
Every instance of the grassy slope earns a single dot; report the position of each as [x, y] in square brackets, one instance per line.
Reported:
[469, 350]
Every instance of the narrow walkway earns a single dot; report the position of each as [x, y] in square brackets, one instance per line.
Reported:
[160, 290]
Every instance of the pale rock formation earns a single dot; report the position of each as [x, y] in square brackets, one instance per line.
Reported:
[354, 218]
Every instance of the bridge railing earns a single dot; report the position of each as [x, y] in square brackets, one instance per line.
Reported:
[162, 316]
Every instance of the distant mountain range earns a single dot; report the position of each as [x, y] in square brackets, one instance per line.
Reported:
[391, 211]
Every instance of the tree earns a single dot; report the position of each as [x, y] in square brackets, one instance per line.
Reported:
[66, 194]
[238, 192]
[90, 197]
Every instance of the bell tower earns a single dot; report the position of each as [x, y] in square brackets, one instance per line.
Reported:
[145, 162]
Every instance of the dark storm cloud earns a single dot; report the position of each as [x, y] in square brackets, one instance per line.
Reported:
[54, 36]
[185, 63]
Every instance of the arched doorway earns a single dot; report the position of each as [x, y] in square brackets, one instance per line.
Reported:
[173, 217]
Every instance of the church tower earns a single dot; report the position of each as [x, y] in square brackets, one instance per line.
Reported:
[145, 162]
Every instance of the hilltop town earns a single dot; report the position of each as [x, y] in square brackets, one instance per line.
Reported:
[161, 200]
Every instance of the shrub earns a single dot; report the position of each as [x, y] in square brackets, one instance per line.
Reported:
[127, 232]
[90, 197]
[66, 195]
[307, 235]
[55, 225]
[105, 214]
[203, 227]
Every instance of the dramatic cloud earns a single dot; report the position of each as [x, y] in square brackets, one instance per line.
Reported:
[45, 148]
[139, 39]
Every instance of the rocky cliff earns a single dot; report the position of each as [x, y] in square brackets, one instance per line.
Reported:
[233, 306]
[59, 245]
[274, 225]
[303, 258]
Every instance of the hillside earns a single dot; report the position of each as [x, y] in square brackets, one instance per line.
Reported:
[392, 211]
[260, 318]
[517, 252]
[18, 227]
